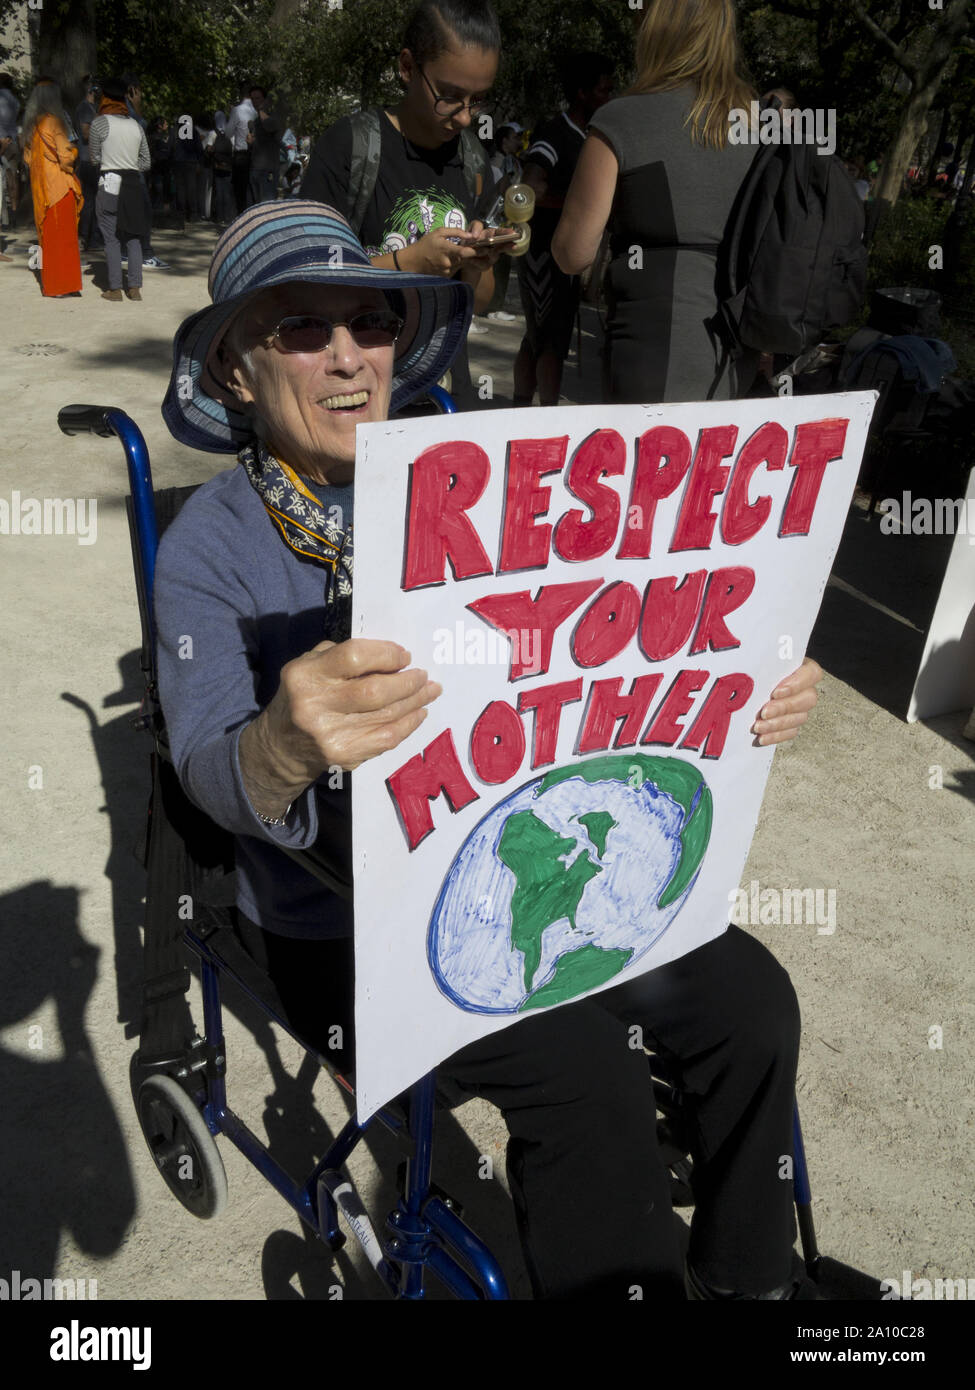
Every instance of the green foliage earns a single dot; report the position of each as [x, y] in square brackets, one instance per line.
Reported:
[901, 254]
[333, 61]
[190, 57]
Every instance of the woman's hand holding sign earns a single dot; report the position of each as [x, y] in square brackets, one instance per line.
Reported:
[340, 704]
[336, 706]
[783, 716]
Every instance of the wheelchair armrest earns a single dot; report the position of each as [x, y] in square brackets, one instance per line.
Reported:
[85, 419]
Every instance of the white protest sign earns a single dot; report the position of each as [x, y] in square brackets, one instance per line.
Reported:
[608, 596]
[946, 676]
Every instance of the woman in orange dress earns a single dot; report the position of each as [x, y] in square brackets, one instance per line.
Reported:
[51, 157]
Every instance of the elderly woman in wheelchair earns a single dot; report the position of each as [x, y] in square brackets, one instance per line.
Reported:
[275, 704]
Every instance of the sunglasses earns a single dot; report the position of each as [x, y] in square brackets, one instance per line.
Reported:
[312, 333]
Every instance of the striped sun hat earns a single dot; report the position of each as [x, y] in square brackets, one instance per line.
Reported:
[278, 244]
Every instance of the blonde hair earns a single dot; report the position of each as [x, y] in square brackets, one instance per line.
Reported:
[695, 42]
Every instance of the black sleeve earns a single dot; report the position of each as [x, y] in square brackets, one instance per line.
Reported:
[327, 177]
[545, 147]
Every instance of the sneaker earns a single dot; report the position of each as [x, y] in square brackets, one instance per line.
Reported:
[154, 263]
[114, 295]
[501, 316]
[477, 328]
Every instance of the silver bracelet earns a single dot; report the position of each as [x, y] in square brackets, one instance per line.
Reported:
[274, 820]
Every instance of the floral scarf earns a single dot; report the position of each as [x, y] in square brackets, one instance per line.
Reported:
[305, 527]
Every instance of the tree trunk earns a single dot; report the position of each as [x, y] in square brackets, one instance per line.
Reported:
[939, 146]
[66, 46]
[952, 24]
[900, 153]
[969, 167]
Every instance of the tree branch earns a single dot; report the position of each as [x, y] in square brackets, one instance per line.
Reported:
[896, 50]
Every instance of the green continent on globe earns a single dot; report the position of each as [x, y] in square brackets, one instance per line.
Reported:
[678, 780]
[598, 825]
[545, 890]
[576, 972]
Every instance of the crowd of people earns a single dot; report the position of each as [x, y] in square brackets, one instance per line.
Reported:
[207, 167]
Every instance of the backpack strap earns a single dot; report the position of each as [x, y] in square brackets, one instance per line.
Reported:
[475, 164]
[364, 164]
[366, 154]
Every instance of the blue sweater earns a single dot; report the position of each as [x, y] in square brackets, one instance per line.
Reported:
[234, 604]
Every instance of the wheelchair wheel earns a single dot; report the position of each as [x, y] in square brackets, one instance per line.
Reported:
[184, 1150]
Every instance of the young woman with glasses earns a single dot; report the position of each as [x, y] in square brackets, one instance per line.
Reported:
[420, 216]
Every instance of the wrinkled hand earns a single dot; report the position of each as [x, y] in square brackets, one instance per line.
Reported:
[336, 706]
[783, 716]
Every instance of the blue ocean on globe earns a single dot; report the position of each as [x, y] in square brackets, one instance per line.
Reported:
[568, 881]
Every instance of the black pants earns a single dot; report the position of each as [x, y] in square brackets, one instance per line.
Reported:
[590, 1191]
[224, 207]
[240, 177]
[184, 176]
[87, 226]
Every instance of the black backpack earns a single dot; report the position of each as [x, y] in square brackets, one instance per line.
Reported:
[222, 152]
[367, 151]
[792, 262]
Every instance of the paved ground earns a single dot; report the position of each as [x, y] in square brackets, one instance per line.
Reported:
[878, 811]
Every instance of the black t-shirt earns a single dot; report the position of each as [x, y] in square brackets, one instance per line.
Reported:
[416, 189]
[266, 149]
[555, 147]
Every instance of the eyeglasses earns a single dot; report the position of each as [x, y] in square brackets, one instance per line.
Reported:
[445, 106]
[312, 333]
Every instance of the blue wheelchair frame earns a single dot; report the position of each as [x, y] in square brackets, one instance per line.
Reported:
[423, 1231]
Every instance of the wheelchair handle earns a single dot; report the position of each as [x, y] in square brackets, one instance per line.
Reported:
[85, 419]
[106, 420]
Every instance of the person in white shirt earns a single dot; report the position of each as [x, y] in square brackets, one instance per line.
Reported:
[238, 129]
[119, 150]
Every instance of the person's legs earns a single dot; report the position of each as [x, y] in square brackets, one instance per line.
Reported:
[134, 277]
[146, 241]
[106, 211]
[590, 1192]
[553, 333]
[224, 210]
[726, 1020]
[526, 358]
[87, 227]
[502, 274]
[240, 177]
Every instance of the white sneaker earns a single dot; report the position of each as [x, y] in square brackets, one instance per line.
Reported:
[502, 317]
[477, 328]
